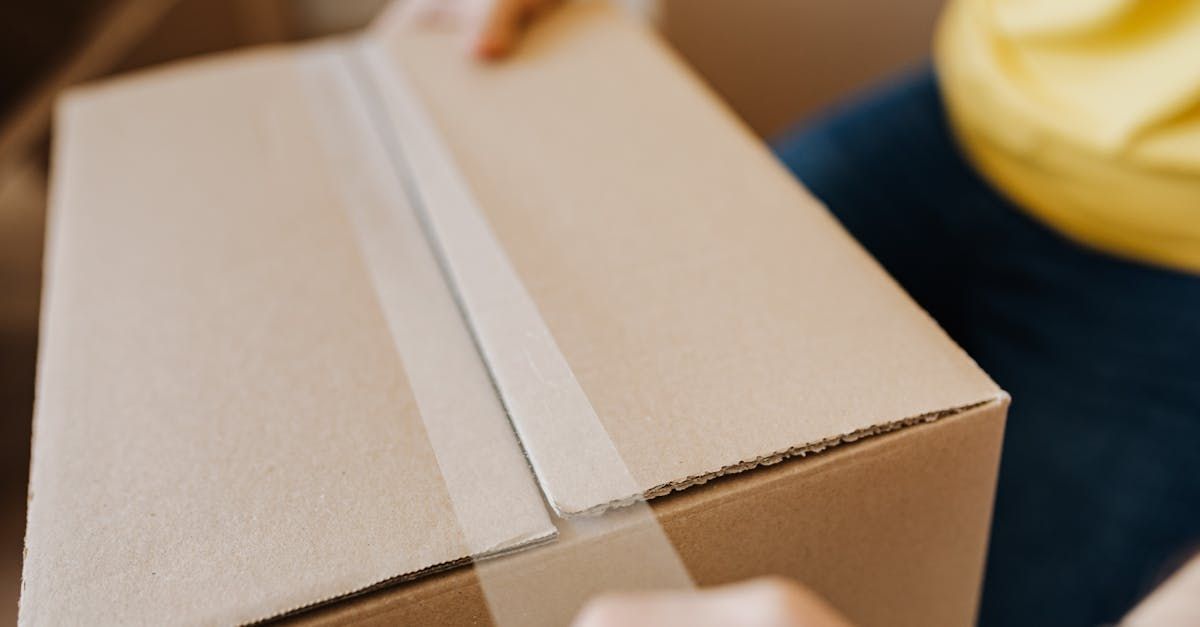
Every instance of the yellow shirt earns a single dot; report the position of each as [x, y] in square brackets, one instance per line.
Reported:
[1086, 113]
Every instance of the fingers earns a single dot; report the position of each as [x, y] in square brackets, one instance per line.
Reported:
[758, 603]
[498, 30]
[503, 23]
[1175, 602]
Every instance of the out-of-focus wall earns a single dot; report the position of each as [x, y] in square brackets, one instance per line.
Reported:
[311, 18]
[777, 61]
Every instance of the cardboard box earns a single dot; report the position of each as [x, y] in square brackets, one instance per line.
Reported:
[261, 391]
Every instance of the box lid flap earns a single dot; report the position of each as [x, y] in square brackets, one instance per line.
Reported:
[713, 313]
[225, 427]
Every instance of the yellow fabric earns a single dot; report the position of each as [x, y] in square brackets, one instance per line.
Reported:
[1086, 113]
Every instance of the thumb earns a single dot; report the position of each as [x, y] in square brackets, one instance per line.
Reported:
[502, 23]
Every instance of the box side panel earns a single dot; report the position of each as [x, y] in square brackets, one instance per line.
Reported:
[892, 530]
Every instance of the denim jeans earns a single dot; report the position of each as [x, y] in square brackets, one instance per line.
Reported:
[1099, 491]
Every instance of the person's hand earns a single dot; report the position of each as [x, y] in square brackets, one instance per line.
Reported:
[773, 602]
[494, 26]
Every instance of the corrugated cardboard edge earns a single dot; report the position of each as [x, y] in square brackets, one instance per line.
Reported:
[454, 596]
[403, 578]
[795, 453]
[802, 450]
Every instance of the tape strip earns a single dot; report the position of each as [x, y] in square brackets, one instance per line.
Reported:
[565, 441]
[403, 177]
[621, 550]
[497, 507]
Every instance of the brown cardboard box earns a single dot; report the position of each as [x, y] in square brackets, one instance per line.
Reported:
[260, 390]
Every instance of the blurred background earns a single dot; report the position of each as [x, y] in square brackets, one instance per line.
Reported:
[774, 61]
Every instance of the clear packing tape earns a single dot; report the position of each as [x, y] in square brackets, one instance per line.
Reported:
[421, 231]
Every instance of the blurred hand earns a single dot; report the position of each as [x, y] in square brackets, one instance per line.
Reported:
[773, 602]
[1175, 602]
[494, 26]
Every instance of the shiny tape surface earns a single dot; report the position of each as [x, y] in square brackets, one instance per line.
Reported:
[421, 231]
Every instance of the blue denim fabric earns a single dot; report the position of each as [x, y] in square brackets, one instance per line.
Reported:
[1100, 480]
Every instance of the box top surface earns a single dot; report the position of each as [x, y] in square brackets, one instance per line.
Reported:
[238, 409]
[713, 312]
[227, 428]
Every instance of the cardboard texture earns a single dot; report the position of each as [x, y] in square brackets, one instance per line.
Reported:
[891, 529]
[686, 277]
[224, 429]
[257, 393]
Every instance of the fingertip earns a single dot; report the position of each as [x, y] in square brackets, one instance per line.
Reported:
[490, 49]
[495, 42]
[610, 610]
[500, 28]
